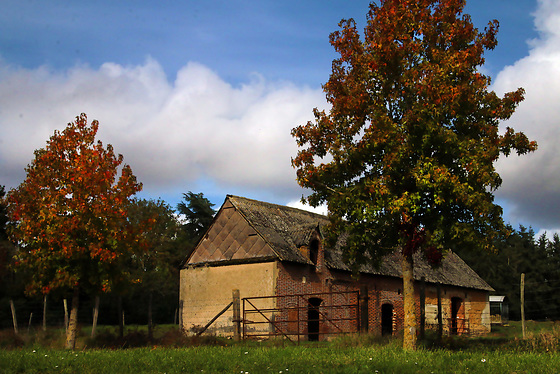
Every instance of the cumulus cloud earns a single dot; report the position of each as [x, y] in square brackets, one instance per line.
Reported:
[173, 134]
[531, 183]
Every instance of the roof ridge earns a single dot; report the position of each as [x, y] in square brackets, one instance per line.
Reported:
[280, 206]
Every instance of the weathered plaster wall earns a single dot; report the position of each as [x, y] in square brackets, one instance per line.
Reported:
[205, 291]
[474, 307]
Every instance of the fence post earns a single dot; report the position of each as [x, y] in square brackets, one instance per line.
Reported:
[95, 316]
[236, 316]
[364, 308]
[422, 307]
[45, 312]
[439, 313]
[14, 317]
[523, 304]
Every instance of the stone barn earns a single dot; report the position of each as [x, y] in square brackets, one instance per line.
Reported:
[292, 286]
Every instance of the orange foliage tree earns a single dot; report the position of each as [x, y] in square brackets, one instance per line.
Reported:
[69, 217]
[405, 156]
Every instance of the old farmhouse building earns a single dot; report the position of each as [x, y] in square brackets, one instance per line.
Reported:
[292, 286]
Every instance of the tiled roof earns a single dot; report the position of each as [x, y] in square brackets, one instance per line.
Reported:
[286, 229]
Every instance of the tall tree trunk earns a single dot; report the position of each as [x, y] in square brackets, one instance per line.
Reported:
[65, 303]
[73, 320]
[409, 341]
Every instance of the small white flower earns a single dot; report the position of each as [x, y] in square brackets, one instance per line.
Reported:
[246, 353]
[483, 360]
[371, 358]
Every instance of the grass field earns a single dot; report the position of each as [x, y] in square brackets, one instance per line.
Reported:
[501, 352]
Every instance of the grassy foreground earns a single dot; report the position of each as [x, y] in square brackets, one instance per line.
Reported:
[501, 352]
[287, 360]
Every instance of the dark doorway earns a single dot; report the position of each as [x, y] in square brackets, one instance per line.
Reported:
[386, 319]
[313, 318]
[455, 307]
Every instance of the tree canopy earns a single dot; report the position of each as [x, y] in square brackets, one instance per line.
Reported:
[69, 216]
[405, 156]
[198, 214]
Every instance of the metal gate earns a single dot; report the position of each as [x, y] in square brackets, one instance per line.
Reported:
[311, 316]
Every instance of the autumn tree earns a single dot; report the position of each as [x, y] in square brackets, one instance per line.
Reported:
[405, 156]
[69, 216]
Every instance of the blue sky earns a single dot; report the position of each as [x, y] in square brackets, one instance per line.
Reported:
[201, 95]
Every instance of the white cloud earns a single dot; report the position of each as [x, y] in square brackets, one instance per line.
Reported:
[321, 209]
[531, 183]
[172, 134]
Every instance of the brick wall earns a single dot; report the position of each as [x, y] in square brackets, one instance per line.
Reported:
[303, 279]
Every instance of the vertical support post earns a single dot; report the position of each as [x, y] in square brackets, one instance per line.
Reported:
[364, 309]
[523, 304]
[29, 324]
[14, 316]
[236, 315]
[244, 325]
[439, 313]
[422, 307]
[95, 316]
[45, 313]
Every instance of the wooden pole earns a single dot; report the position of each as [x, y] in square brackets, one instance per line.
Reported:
[523, 304]
[45, 313]
[439, 312]
[422, 307]
[14, 316]
[213, 319]
[30, 319]
[95, 316]
[236, 315]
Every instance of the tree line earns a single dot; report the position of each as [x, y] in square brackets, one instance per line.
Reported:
[522, 252]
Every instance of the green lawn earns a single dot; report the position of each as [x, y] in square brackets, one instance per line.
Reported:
[500, 352]
[287, 360]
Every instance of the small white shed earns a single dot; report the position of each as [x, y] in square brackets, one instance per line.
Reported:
[499, 309]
